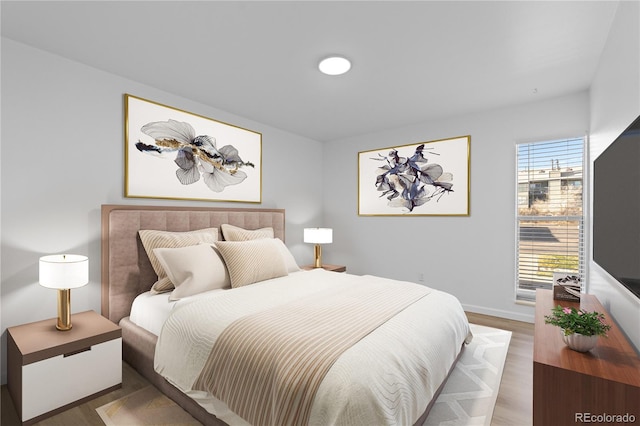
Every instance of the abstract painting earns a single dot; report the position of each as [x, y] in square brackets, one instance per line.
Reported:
[427, 178]
[174, 154]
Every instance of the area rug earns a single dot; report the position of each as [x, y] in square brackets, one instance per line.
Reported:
[147, 406]
[468, 398]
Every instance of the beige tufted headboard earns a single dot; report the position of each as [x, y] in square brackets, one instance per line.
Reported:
[126, 269]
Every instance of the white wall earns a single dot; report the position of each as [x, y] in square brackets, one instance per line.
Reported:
[471, 257]
[63, 156]
[615, 103]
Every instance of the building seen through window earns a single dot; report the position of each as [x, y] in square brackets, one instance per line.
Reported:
[549, 213]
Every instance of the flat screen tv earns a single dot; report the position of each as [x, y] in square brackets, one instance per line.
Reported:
[616, 208]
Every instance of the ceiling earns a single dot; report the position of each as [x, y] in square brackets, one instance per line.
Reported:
[413, 61]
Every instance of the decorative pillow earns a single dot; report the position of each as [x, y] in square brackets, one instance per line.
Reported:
[152, 239]
[193, 269]
[251, 261]
[234, 233]
[287, 257]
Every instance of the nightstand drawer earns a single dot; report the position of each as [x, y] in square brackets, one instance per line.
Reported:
[63, 379]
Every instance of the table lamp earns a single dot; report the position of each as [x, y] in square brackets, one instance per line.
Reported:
[64, 272]
[318, 236]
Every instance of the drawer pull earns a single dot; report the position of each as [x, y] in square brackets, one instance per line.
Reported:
[79, 351]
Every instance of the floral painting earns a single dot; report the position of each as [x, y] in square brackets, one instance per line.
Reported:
[427, 178]
[175, 154]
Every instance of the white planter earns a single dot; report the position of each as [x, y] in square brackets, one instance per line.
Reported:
[580, 342]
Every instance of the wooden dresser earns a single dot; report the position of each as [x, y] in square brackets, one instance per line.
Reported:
[572, 388]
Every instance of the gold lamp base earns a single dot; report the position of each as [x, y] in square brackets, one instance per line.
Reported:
[64, 309]
[317, 252]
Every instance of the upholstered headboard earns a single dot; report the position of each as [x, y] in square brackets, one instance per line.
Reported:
[126, 269]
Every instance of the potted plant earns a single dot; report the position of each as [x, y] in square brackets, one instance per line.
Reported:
[580, 329]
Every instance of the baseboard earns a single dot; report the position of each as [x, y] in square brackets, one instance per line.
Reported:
[530, 318]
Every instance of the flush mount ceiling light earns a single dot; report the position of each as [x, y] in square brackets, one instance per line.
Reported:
[334, 65]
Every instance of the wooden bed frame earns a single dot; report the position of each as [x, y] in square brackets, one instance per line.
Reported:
[127, 272]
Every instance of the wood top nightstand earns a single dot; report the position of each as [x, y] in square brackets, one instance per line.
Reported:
[50, 371]
[332, 268]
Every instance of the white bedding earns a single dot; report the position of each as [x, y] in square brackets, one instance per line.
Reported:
[388, 377]
[150, 311]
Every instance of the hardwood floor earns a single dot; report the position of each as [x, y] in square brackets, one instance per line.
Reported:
[513, 406]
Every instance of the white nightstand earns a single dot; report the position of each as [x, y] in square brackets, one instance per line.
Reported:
[50, 371]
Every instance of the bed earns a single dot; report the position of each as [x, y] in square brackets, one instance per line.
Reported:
[362, 377]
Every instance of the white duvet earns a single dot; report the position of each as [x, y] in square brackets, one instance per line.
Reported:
[387, 378]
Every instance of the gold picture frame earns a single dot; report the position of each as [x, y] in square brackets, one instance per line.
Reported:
[421, 179]
[175, 154]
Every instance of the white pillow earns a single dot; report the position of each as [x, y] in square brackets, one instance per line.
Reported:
[251, 261]
[234, 233]
[152, 239]
[289, 260]
[193, 269]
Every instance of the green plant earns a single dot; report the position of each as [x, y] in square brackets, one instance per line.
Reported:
[572, 320]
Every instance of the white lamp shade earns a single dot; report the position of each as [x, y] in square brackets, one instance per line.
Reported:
[318, 235]
[64, 271]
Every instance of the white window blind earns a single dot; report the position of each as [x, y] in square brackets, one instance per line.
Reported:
[550, 206]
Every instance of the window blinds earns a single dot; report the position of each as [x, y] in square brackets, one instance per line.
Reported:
[550, 234]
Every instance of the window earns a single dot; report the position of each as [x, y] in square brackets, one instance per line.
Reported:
[549, 216]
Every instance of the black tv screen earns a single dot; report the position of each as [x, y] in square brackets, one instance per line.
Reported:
[616, 208]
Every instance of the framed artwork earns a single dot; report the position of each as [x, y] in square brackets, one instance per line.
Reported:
[427, 178]
[174, 154]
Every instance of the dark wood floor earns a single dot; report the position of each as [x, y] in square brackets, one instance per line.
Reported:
[513, 406]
